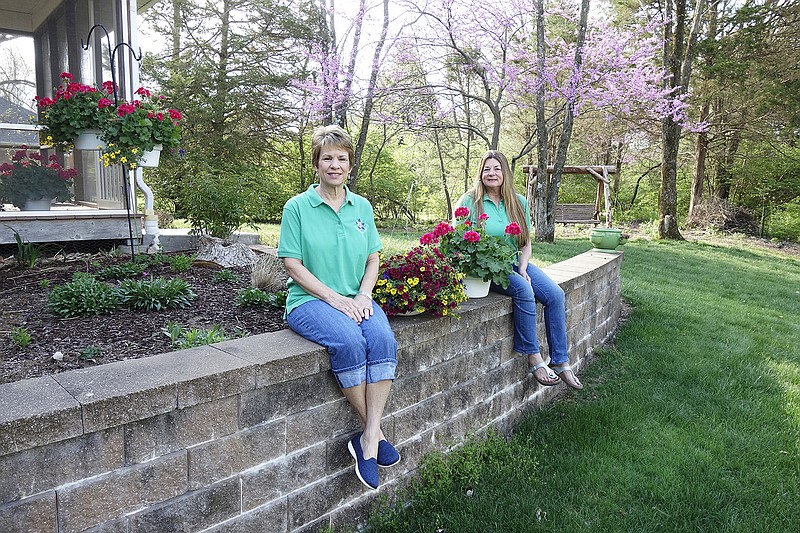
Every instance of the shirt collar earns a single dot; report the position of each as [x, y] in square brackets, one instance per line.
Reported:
[316, 199]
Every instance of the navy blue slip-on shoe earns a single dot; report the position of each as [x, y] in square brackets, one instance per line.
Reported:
[387, 454]
[366, 469]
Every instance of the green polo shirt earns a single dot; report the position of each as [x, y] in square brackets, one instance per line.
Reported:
[498, 218]
[332, 246]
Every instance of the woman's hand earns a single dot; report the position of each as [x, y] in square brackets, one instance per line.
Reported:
[358, 308]
[523, 270]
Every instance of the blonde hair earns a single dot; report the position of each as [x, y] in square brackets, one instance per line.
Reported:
[332, 135]
[514, 210]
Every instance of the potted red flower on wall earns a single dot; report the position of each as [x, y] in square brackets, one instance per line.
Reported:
[140, 128]
[28, 182]
[76, 108]
[473, 252]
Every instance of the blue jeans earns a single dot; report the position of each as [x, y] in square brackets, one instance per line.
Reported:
[524, 296]
[358, 352]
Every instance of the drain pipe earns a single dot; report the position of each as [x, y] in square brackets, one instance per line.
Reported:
[150, 218]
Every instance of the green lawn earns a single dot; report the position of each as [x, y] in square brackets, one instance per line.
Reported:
[690, 422]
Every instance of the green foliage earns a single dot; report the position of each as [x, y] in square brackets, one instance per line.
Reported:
[27, 252]
[182, 338]
[224, 276]
[155, 294]
[127, 270]
[784, 222]
[45, 283]
[216, 203]
[21, 337]
[83, 296]
[90, 352]
[181, 263]
[253, 297]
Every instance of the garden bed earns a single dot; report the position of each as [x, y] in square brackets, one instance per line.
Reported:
[121, 334]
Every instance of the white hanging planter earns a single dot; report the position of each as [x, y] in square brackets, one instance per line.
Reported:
[42, 204]
[150, 158]
[89, 140]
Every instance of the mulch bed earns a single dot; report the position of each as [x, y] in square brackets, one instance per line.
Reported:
[122, 334]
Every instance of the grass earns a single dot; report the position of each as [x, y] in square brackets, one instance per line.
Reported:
[690, 422]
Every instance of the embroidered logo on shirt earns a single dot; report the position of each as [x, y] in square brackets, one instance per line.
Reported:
[360, 226]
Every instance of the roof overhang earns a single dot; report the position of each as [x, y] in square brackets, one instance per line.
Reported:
[17, 16]
[24, 16]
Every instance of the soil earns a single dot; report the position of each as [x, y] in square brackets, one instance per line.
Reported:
[122, 334]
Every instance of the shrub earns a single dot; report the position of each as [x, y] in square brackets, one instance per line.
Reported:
[224, 276]
[216, 205]
[127, 270]
[252, 297]
[154, 294]
[83, 296]
[181, 263]
[269, 273]
[182, 338]
[21, 337]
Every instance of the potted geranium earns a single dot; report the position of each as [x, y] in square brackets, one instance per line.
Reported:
[141, 128]
[76, 108]
[29, 179]
[476, 254]
[421, 280]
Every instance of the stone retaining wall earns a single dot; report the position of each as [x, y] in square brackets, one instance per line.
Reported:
[250, 435]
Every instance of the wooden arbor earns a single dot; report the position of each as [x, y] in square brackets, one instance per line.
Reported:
[581, 213]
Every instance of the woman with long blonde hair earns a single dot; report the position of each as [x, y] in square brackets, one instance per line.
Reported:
[493, 195]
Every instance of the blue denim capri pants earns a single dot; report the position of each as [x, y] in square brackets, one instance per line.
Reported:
[358, 352]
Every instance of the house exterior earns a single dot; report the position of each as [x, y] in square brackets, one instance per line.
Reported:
[67, 38]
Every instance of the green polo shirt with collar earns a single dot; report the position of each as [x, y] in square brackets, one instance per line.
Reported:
[498, 218]
[332, 246]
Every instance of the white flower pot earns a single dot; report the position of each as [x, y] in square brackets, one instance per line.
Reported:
[42, 204]
[150, 158]
[89, 140]
[475, 287]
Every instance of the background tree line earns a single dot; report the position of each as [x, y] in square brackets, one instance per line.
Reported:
[695, 103]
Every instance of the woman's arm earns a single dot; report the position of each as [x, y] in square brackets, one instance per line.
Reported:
[524, 258]
[313, 286]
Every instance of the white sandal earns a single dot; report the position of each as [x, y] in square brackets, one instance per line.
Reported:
[554, 379]
[561, 369]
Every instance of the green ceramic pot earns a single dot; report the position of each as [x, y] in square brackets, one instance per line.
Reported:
[606, 239]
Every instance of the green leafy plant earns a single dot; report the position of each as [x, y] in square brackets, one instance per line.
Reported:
[45, 283]
[253, 297]
[27, 252]
[85, 295]
[29, 177]
[127, 270]
[21, 337]
[183, 338]
[142, 125]
[181, 263]
[216, 204]
[422, 279]
[154, 294]
[224, 276]
[90, 352]
[474, 252]
[74, 108]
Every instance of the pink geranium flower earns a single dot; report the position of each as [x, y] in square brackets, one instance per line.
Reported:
[462, 212]
[472, 236]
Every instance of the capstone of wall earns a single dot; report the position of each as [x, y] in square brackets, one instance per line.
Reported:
[250, 435]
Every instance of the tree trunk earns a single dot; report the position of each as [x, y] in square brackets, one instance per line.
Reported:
[700, 155]
[547, 233]
[370, 99]
[443, 174]
[678, 57]
[539, 192]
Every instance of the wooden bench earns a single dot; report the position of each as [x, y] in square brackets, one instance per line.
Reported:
[576, 214]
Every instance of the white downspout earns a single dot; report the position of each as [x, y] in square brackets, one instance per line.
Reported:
[150, 218]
